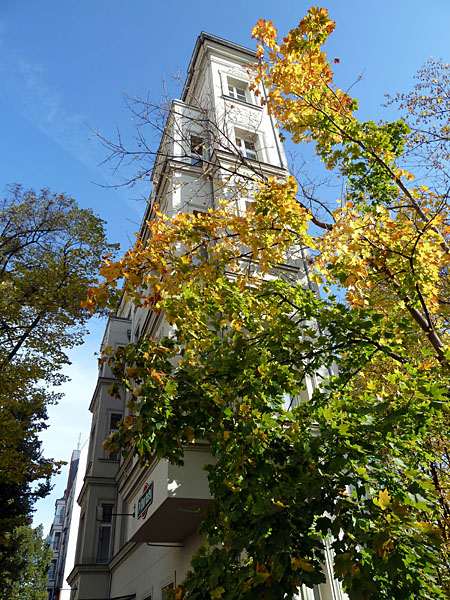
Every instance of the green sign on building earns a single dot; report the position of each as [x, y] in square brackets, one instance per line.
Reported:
[145, 500]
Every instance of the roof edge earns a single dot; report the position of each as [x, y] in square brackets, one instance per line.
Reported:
[204, 36]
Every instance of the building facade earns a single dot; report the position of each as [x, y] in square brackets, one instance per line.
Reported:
[54, 541]
[64, 529]
[138, 526]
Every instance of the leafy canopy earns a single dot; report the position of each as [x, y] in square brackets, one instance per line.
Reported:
[351, 468]
[50, 250]
[23, 573]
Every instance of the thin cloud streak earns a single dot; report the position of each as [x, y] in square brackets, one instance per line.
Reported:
[23, 86]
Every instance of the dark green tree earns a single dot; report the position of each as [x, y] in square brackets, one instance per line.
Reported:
[23, 573]
[50, 250]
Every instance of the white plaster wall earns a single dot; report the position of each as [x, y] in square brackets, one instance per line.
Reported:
[148, 568]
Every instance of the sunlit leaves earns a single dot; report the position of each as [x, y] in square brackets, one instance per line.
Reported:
[50, 251]
[325, 420]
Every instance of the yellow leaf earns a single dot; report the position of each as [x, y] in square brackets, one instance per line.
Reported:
[384, 499]
[279, 503]
[189, 432]
[301, 563]
[429, 528]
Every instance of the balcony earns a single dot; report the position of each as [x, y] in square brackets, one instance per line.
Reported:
[172, 501]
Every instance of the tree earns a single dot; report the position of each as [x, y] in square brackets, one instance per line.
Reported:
[23, 574]
[49, 253]
[426, 111]
[353, 466]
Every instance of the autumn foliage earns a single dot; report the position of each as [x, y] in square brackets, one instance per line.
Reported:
[362, 465]
[50, 250]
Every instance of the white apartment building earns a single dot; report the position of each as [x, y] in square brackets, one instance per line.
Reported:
[138, 527]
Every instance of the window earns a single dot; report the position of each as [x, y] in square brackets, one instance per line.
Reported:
[238, 89]
[246, 148]
[165, 589]
[104, 534]
[115, 419]
[197, 150]
[52, 569]
[237, 92]
[51, 541]
[59, 514]
[56, 540]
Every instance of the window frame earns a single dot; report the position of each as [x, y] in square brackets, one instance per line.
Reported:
[105, 525]
[113, 455]
[197, 150]
[59, 514]
[170, 585]
[51, 573]
[246, 147]
[57, 542]
[238, 89]
[238, 93]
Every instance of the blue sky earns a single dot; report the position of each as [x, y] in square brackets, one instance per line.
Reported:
[65, 66]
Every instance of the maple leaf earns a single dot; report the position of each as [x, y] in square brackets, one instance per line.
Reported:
[383, 500]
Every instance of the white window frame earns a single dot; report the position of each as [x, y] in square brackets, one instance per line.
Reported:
[237, 93]
[197, 149]
[247, 147]
[237, 89]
